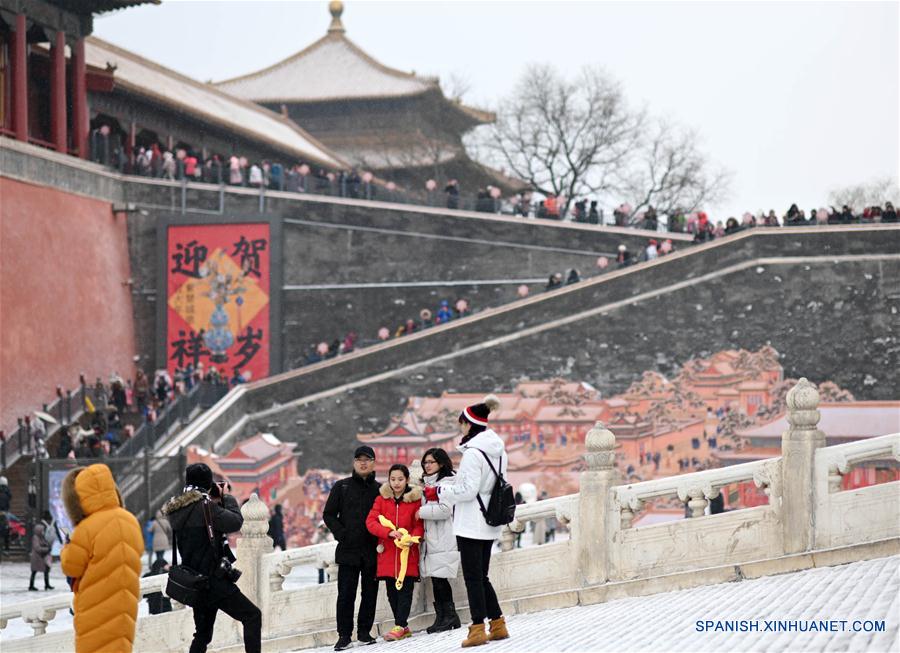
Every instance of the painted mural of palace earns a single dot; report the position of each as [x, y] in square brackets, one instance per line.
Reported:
[720, 410]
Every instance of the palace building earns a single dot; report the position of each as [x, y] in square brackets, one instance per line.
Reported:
[398, 125]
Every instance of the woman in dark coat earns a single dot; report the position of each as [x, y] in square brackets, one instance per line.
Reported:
[40, 557]
[276, 528]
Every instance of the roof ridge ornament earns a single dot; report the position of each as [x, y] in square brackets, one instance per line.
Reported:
[336, 8]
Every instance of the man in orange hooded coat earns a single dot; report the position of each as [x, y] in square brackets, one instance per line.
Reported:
[104, 559]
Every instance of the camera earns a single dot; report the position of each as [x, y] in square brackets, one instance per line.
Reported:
[227, 571]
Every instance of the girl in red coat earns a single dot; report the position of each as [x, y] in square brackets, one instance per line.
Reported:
[398, 503]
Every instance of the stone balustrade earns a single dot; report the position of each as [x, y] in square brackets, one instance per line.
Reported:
[695, 489]
[807, 513]
[559, 508]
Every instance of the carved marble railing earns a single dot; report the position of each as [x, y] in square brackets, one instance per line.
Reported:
[844, 516]
[560, 508]
[696, 489]
[279, 565]
[39, 613]
[838, 459]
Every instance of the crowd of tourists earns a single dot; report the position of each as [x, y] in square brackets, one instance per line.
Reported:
[442, 314]
[400, 531]
[183, 163]
[112, 411]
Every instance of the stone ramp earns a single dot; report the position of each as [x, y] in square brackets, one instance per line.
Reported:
[867, 591]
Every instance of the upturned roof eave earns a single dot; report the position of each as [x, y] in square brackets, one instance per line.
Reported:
[427, 82]
[166, 100]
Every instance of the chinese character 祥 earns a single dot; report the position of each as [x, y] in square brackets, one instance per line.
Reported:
[249, 346]
[188, 347]
[189, 258]
[249, 251]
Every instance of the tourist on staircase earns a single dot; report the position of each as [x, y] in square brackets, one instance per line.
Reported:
[394, 520]
[483, 459]
[439, 555]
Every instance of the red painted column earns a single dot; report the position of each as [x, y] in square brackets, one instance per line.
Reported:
[20, 79]
[129, 146]
[58, 92]
[79, 100]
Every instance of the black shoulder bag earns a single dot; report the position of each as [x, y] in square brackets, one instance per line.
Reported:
[501, 508]
[186, 585]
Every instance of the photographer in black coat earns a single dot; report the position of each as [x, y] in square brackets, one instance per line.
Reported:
[345, 515]
[201, 517]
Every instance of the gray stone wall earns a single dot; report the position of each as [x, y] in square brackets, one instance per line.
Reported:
[348, 244]
[828, 320]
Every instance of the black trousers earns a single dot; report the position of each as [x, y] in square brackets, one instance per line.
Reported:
[46, 578]
[400, 599]
[475, 558]
[238, 607]
[443, 593]
[348, 581]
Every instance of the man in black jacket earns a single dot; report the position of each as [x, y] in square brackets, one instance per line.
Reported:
[345, 515]
[202, 507]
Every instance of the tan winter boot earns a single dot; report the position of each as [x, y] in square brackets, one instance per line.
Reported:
[498, 629]
[476, 637]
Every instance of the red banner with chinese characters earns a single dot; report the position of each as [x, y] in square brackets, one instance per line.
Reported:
[218, 299]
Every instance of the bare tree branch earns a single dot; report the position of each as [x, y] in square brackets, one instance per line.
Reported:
[580, 137]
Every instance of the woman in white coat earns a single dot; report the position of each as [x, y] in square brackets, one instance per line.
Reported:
[439, 557]
[483, 457]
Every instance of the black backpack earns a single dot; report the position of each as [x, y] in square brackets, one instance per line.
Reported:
[501, 508]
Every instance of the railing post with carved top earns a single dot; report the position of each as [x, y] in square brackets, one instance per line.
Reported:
[251, 548]
[593, 528]
[798, 451]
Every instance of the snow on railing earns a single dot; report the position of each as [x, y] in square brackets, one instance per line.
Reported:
[40, 612]
[561, 508]
[838, 459]
[279, 565]
[696, 489]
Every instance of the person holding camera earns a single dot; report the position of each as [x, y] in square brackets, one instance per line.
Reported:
[201, 517]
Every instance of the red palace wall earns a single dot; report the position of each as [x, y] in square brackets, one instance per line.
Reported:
[63, 306]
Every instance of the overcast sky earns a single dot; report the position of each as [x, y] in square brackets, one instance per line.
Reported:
[795, 98]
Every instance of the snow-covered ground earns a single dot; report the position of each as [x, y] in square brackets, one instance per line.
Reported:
[866, 591]
[14, 578]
